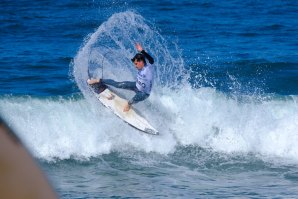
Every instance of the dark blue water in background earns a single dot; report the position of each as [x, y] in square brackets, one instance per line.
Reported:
[255, 41]
[235, 48]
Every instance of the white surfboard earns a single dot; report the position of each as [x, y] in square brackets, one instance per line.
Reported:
[116, 104]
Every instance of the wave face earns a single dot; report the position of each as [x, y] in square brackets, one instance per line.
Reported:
[79, 128]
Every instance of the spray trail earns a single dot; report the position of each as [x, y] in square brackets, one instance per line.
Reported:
[114, 43]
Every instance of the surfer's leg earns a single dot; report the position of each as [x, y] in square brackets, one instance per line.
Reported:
[124, 85]
[139, 96]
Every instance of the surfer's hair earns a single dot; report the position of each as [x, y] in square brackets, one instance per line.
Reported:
[138, 57]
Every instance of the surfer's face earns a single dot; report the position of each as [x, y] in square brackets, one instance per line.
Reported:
[139, 64]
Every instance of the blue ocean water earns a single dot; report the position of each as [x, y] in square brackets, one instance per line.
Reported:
[224, 97]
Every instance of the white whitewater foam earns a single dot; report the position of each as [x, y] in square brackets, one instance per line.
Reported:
[66, 128]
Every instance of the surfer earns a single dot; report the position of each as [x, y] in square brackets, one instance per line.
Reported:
[142, 86]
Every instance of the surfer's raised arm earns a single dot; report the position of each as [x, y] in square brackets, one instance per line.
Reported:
[141, 50]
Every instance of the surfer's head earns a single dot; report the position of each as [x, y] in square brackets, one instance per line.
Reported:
[139, 61]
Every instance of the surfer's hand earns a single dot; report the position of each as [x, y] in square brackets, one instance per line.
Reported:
[126, 107]
[139, 47]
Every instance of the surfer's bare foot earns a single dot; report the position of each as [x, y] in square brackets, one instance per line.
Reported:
[110, 97]
[93, 81]
[126, 108]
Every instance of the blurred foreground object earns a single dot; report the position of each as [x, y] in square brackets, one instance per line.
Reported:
[20, 177]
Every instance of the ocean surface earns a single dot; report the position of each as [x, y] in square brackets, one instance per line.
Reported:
[225, 96]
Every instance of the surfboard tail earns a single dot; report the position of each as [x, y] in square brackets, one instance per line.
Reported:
[98, 87]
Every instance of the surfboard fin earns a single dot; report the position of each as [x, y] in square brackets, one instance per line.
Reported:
[151, 131]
